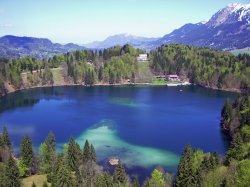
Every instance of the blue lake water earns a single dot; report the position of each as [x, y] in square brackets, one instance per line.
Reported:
[144, 126]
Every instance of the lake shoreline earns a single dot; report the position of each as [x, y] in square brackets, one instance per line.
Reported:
[117, 84]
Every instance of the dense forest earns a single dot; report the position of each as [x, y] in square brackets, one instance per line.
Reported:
[118, 65]
[203, 66]
[77, 166]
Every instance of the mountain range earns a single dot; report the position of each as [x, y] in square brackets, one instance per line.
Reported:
[17, 47]
[227, 30]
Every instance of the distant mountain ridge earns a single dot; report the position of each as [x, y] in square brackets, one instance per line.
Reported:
[16, 47]
[228, 29]
[120, 39]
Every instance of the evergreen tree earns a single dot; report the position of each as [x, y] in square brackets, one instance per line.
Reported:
[12, 174]
[92, 152]
[136, 182]
[226, 115]
[86, 151]
[64, 177]
[120, 176]
[73, 154]
[5, 138]
[108, 179]
[156, 179]
[99, 181]
[236, 149]
[26, 154]
[50, 141]
[185, 176]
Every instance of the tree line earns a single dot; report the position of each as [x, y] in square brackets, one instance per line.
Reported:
[203, 66]
[117, 64]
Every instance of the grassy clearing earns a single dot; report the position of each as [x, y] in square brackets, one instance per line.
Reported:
[144, 74]
[37, 179]
[57, 76]
[159, 81]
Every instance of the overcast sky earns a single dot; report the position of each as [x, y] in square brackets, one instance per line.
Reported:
[82, 21]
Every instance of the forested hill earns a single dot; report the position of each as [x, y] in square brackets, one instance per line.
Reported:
[118, 65]
[203, 66]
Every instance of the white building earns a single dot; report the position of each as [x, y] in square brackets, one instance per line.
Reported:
[142, 58]
[173, 78]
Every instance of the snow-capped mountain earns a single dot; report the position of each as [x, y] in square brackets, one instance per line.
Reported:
[233, 13]
[228, 29]
[120, 39]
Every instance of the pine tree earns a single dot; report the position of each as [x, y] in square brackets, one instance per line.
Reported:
[185, 176]
[226, 115]
[12, 174]
[108, 179]
[136, 182]
[50, 141]
[73, 154]
[236, 149]
[5, 138]
[99, 181]
[64, 177]
[26, 154]
[120, 176]
[86, 151]
[156, 178]
[93, 154]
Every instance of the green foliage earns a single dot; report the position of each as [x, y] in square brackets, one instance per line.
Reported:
[120, 176]
[47, 153]
[92, 152]
[156, 179]
[2, 174]
[73, 154]
[136, 182]
[226, 115]
[26, 155]
[243, 177]
[50, 141]
[64, 177]
[5, 140]
[236, 148]
[203, 66]
[12, 174]
[185, 173]
[86, 151]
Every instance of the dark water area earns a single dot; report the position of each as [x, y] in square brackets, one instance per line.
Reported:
[130, 122]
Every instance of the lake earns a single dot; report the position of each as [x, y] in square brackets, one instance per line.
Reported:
[145, 126]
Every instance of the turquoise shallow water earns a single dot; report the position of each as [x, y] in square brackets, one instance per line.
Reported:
[144, 126]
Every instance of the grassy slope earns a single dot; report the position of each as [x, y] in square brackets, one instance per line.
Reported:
[37, 179]
[144, 73]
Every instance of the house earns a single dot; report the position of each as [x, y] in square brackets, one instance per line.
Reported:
[173, 78]
[142, 58]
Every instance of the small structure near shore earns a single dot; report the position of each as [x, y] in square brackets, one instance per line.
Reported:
[173, 78]
[114, 161]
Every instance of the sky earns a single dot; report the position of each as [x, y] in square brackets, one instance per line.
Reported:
[83, 21]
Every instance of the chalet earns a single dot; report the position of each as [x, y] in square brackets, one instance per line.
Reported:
[142, 58]
[173, 78]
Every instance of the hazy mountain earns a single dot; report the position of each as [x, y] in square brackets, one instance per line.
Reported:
[120, 39]
[228, 29]
[15, 47]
